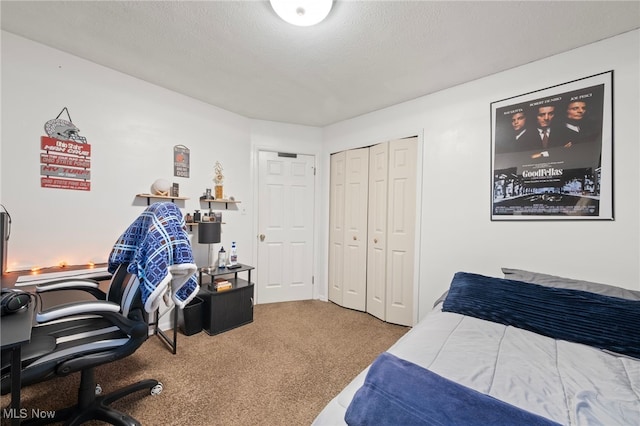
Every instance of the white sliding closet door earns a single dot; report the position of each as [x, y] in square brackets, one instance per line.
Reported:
[372, 229]
[348, 234]
[377, 230]
[391, 230]
[336, 227]
[401, 230]
[355, 225]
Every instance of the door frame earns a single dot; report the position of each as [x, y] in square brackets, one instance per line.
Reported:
[255, 160]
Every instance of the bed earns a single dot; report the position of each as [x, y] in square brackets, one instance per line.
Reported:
[529, 348]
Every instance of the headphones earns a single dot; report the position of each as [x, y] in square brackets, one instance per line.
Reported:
[14, 300]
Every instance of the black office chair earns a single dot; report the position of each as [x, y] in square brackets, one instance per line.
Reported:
[80, 336]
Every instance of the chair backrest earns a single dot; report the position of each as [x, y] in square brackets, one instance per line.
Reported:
[124, 289]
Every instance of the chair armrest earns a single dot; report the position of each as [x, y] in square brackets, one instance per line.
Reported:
[84, 284]
[77, 308]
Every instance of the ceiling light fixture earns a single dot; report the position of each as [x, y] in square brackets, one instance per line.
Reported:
[303, 13]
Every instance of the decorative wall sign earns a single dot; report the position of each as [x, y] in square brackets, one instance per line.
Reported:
[181, 161]
[552, 152]
[65, 162]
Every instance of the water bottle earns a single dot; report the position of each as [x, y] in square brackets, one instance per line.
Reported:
[233, 259]
[222, 258]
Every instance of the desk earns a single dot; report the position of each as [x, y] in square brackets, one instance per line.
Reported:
[218, 272]
[16, 331]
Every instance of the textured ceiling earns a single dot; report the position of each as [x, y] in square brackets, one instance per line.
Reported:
[367, 55]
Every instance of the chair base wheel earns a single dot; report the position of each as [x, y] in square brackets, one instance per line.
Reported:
[92, 407]
[157, 389]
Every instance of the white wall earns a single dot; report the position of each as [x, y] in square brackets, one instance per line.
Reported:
[457, 234]
[133, 126]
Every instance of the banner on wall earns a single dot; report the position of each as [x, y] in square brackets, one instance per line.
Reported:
[181, 161]
[66, 158]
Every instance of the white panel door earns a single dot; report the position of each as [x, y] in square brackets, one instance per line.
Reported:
[355, 229]
[401, 222]
[336, 227]
[285, 226]
[377, 231]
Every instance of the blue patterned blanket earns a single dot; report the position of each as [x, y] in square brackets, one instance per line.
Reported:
[157, 248]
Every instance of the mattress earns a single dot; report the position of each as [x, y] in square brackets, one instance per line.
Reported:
[566, 382]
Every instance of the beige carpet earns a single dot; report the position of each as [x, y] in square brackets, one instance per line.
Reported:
[282, 369]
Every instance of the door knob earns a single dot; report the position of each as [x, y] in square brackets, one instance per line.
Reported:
[262, 236]
[375, 240]
[355, 238]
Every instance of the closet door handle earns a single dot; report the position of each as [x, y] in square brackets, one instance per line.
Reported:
[355, 238]
[375, 240]
[262, 236]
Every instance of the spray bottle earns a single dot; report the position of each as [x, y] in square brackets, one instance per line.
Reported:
[222, 258]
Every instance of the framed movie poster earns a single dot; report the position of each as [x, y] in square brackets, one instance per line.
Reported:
[552, 152]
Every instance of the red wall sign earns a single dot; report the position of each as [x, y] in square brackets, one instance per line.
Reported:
[65, 164]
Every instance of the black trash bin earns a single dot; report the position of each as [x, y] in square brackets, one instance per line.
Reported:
[190, 318]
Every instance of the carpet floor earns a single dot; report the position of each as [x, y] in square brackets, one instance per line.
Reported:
[281, 369]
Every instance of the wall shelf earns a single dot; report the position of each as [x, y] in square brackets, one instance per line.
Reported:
[192, 224]
[161, 197]
[219, 200]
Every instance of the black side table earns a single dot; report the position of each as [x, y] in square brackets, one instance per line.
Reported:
[228, 309]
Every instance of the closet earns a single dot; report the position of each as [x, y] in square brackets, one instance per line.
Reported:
[372, 229]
